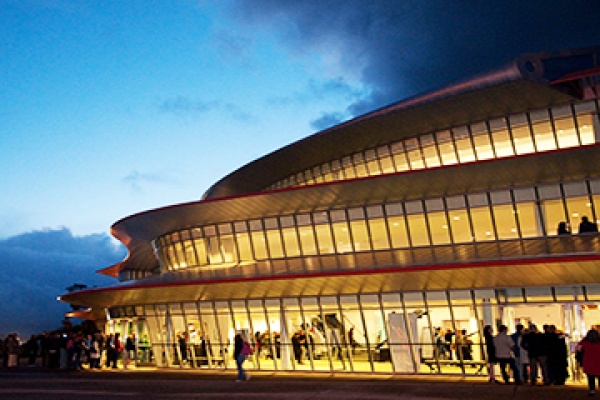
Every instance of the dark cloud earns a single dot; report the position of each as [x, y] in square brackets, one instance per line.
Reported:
[328, 120]
[38, 266]
[402, 48]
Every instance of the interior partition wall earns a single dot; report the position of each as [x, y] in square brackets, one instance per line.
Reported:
[389, 333]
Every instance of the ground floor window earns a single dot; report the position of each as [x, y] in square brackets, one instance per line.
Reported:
[412, 332]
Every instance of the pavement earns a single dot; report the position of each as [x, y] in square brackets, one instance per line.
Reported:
[32, 383]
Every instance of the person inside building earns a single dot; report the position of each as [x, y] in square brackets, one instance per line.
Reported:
[586, 226]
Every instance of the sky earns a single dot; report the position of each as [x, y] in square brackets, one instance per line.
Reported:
[109, 108]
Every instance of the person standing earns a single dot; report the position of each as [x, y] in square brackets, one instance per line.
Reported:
[535, 344]
[516, 337]
[586, 226]
[488, 335]
[130, 351]
[240, 357]
[504, 354]
[590, 345]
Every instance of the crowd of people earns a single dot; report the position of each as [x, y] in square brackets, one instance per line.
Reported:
[69, 351]
[533, 355]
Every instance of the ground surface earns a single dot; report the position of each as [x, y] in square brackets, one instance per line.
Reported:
[38, 383]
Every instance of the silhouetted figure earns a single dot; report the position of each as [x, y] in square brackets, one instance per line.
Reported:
[586, 226]
[563, 229]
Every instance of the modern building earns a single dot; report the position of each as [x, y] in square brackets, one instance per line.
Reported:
[440, 211]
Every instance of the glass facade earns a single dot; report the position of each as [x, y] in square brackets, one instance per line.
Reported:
[502, 216]
[555, 128]
[410, 332]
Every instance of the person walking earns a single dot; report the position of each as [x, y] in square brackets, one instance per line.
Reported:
[590, 345]
[488, 335]
[240, 346]
[505, 347]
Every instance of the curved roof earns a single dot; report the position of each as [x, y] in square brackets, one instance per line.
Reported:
[525, 83]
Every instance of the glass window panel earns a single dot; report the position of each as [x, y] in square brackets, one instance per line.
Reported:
[398, 233]
[337, 215]
[522, 139]
[446, 148]
[290, 239]
[374, 212]
[482, 224]
[210, 231]
[465, 150]
[418, 230]
[275, 246]
[361, 170]
[434, 205]
[596, 202]
[360, 235]
[240, 227]
[500, 197]
[324, 239]
[190, 254]
[379, 235]
[544, 136]
[200, 245]
[286, 221]
[303, 219]
[342, 237]
[586, 126]
[506, 225]
[461, 230]
[413, 207]
[416, 159]
[394, 209]
[259, 244]
[577, 208]
[243, 243]
[573, 189]
[228, 248]
[255, 225]
[307, 240]
[529, 220]
[483, 147]
[356, 213]
[478, 199]
[224, 229]
[502, 143]
[401, 162]
[430, 152]
[527, 194]
[438, 226]
[553, 212]
[320, 217]
[549, 192]
[454, 202]
[271, 223]
[387, 165]
[214, 251]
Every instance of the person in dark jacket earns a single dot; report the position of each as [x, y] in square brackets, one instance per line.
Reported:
[557, 356]
[536, 345]
[488, 335]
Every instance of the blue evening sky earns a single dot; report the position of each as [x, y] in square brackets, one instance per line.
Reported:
[113, 107]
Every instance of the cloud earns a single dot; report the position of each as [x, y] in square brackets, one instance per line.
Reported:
[38, 266]
[137, 180]
[181, 104]
[400, 48]
[328, 120]
[185, 106]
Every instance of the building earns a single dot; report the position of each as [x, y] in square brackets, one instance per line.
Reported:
[440, 211]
